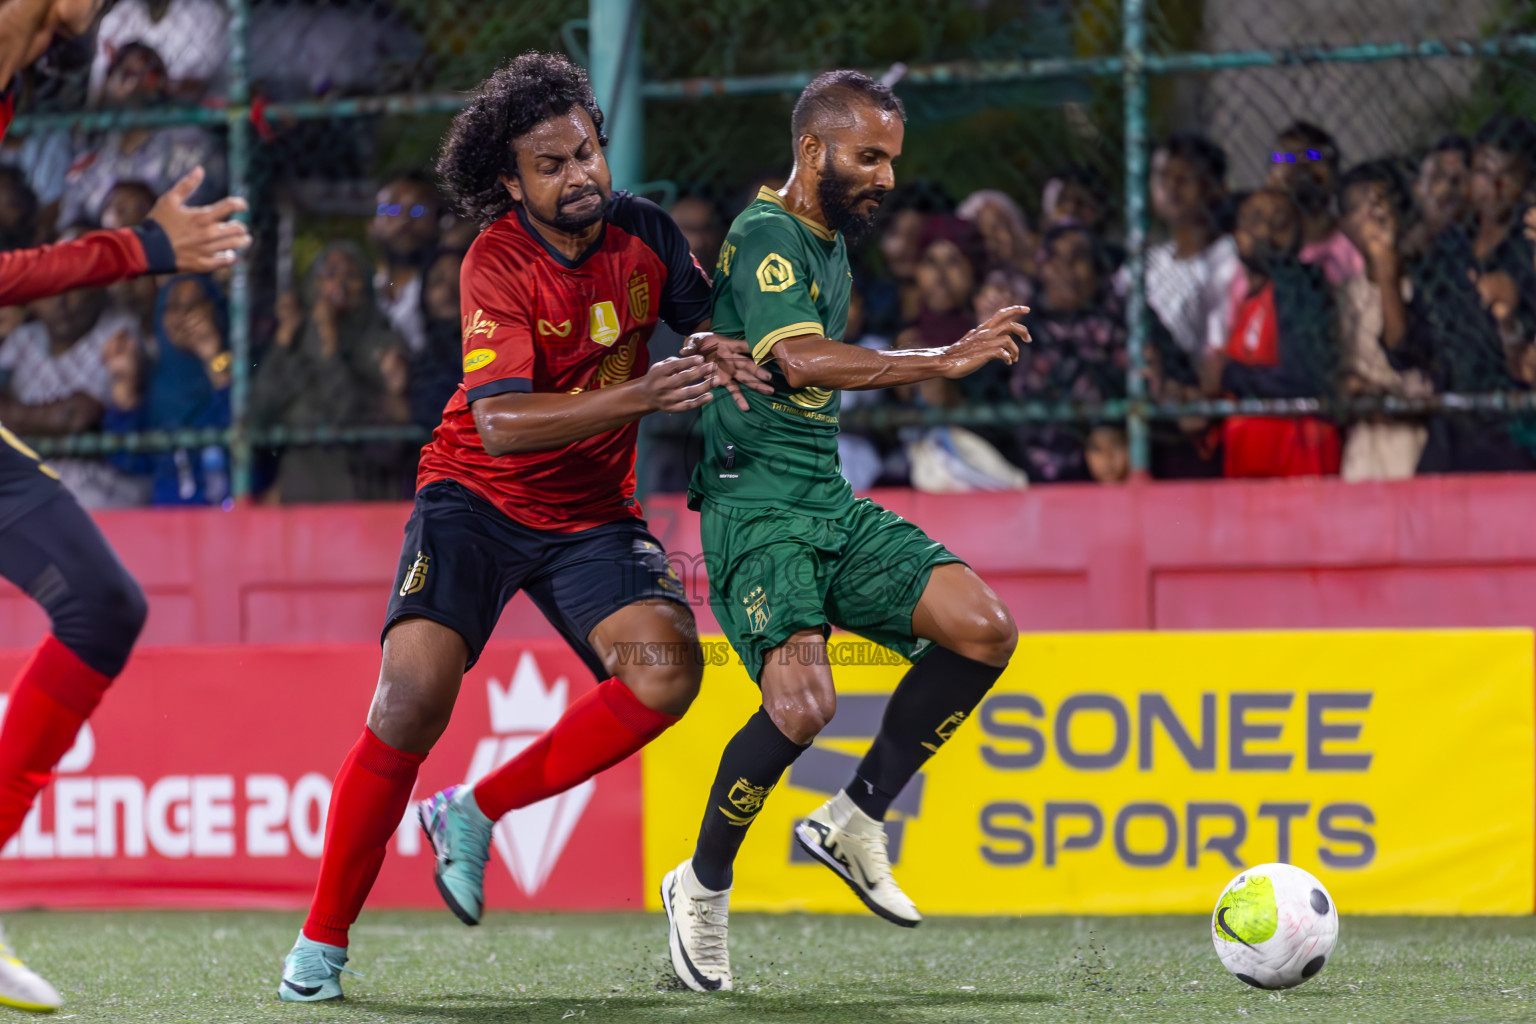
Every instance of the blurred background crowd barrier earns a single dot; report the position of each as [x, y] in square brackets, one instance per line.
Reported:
[1258, 237]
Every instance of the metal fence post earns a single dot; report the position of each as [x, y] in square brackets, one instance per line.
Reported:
[237, 118]
[613, 39]
[1134, 83]
[613, 42]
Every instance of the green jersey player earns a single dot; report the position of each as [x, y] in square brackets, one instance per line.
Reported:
[791, 552]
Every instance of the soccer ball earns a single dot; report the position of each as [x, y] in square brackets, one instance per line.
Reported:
[1274, 926]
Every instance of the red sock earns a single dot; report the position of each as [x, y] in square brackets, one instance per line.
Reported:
[51, 698]
[367, 802]
[602, 728]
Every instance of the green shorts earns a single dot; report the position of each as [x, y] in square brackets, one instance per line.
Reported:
[774, 573]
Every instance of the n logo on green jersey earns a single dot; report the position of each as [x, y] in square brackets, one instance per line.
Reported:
[775, 274]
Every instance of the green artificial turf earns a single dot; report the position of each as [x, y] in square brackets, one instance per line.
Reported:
[426, 967]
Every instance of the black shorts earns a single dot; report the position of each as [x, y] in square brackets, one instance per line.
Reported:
[25, 482]
[463, 560]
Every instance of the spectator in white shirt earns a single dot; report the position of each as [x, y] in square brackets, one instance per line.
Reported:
[191, 35]
[1189, 277]
[158, 157]
[58, 384]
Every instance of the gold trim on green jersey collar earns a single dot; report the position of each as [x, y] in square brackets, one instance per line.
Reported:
[769, 195]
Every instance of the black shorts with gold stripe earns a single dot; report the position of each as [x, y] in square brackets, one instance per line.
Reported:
[25, 480]
[463, 560]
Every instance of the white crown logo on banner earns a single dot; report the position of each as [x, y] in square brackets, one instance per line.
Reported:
[530, 839]
[525, 705]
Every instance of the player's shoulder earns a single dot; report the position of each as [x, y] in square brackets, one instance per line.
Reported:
[765, 213]
[499, 249]
[638, 216]
[767, 225]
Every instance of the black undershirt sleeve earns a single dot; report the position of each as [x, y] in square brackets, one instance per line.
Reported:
[685, 301]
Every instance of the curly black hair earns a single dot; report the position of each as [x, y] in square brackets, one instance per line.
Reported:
[477, 150]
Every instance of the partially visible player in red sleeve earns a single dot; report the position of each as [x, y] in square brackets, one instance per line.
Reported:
[175, 237]
[95, 607]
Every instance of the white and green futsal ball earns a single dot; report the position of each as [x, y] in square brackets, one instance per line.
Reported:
[1274, 926]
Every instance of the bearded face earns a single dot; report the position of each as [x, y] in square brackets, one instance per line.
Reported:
[848, 205]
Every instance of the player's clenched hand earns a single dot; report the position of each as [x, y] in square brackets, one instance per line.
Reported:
[676, 385]
[733, 364]
[994, 339]
[203, 237]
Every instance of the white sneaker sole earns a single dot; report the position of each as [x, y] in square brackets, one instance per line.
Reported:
[810, 842]
[681, 966]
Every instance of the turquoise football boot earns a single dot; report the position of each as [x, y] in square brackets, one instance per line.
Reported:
[460, 835]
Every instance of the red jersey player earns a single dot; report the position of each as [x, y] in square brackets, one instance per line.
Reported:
[528, 484]
[49, 547]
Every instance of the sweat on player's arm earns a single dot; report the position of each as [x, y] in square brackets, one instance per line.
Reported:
[810, 360]
[515, 421]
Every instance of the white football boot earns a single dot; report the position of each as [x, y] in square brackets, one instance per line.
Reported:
[852, 844]
[21, 987]
[697, 919]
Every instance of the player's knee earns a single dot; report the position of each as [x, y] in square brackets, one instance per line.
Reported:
[669, 689]
[408, 716]
[803, 716]
[990, 636]
[101, 625]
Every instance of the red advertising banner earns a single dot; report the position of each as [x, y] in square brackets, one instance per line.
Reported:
[204, 777]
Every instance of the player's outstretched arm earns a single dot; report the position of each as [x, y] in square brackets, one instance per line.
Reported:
[517, 422]
[809, 361]
[175, 237]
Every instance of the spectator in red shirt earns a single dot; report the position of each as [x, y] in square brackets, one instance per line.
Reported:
[1281, 346]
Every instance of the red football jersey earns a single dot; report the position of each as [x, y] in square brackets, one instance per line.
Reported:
[7, 110]
[537, 322]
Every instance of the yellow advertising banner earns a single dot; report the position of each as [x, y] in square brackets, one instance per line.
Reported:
[1137, 773]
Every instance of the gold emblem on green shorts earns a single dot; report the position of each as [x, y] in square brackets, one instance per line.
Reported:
[946, 729]
[416, 575]
[756, 603]
[747, 799]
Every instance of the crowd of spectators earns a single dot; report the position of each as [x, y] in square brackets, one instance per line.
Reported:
[1396, 277]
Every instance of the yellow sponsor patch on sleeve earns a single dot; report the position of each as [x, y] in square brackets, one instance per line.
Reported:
[478, 359]
[775, 273]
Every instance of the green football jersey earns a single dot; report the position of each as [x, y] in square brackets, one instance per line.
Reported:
[778, 277]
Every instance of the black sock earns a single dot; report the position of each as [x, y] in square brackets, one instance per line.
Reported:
[930, 702]
[749, 769]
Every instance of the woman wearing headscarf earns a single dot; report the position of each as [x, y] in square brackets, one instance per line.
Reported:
[1010, 245]
[951, 459]
[334, 363]
[185, 386]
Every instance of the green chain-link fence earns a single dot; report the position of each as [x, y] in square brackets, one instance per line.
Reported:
[316, 105]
